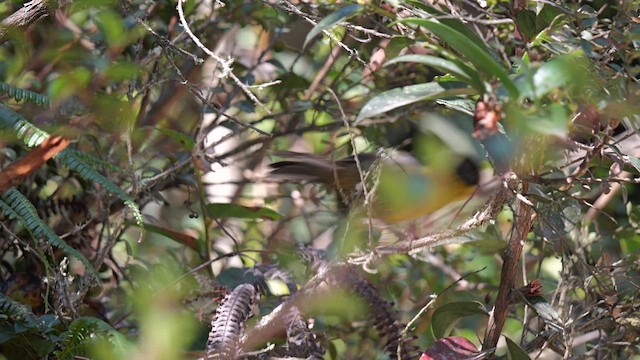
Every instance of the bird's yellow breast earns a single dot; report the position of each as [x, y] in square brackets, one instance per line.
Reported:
[407, 194]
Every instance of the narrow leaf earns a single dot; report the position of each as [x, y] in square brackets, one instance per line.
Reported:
[406, 95]
[515, 352]
[469, 49]
[435, 62]
[331, 20]
[223, 210]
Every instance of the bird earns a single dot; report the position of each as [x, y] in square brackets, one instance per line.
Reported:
[401, 187]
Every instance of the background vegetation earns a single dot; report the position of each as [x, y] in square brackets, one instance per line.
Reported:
[146, 226]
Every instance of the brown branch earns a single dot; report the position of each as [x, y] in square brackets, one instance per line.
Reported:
[27, 15]
[511, 257]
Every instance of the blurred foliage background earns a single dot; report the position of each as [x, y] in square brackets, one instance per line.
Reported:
[159, 233]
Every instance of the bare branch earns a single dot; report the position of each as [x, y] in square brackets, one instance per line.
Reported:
[30, 13]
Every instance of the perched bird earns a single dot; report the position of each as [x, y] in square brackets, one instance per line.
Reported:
[401, 188]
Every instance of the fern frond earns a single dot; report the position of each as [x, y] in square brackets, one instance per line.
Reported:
[20, 313]
[19, 94]
[16, 204]
[24, 130]
[80, 333]
[71, 159]
[32, 136]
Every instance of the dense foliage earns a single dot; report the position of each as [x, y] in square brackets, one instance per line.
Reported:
[139, 218]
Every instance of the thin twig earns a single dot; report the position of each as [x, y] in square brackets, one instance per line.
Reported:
[225, 65]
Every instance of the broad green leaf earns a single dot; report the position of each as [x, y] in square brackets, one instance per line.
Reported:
[435, 62]
[526, 21]
[559, 72]
[224, 210]
[111, 25]
[69, 83]
[331, 20]
[515, 352]
[630, 244]
[397, 44]
[546, 16]
[121, 71]
[469, 49]
[446, 316]
[406, 95]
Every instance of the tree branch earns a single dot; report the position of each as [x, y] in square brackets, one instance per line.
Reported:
[522, 226]
[30, 13]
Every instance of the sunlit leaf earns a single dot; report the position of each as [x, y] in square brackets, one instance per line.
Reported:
[406, 95]
[559, 72]
[331, 20]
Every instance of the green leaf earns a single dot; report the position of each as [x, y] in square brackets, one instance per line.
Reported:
[397, 44]
[469, 49]
[18, 206]
[559, 72]
[546, 16]
[224, 210]
[446, 316]
[69, 83]
[515, 352]
[331, 20]
[122, 71]
[111, 25]
[406, 95]
[183, 139]
[455, 24]
[435, 62]
[463, 105]
[526, 21]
